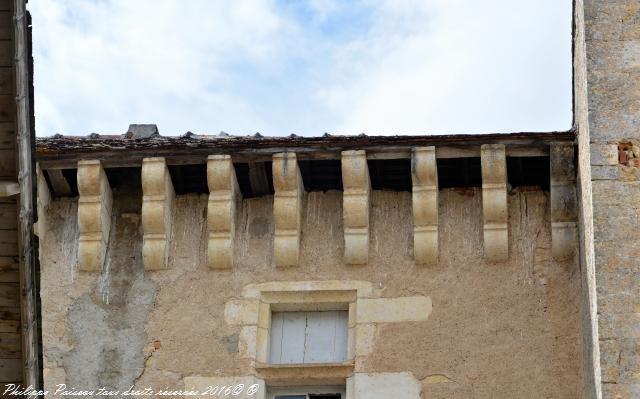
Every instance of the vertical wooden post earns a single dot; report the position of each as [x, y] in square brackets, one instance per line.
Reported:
[42, 202]
[25, 137]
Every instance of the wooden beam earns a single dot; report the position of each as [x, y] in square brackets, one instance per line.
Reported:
[258, 156]
[9, 188]
[114, 151]
[59, 183]
[258, 178]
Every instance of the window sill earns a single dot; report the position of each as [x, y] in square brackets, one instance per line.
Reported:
[308, 373]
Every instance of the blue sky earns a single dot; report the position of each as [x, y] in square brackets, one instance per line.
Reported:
[302, 66]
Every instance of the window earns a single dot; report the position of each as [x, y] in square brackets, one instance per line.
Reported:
[308, 393]
[308, 337]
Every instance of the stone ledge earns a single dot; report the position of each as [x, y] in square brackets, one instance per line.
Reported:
[307, 374]
[390, 310]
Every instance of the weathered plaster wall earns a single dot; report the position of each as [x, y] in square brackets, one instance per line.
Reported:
[495, 330]
[608, 83]
[99, 341]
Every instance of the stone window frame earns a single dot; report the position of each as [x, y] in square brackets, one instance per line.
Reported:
[366, 310]
[315, 300]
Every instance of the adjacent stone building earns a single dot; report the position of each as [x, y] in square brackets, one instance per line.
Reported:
[607, 120]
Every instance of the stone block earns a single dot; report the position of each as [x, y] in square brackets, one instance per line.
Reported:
[242, 312]
[247, 342]
[605, 172]
[262, 345]
[612, 21]
[604, 154]
[629, 361]
[424, 176]
[620, 391]
[609, 358]
[287, 209]
[264, 316]
[355, 207]
[494, 202]
[364, 289]
[142, 131]
[619, 325]
[221, 211]
[157, 213]
[564, 207]
[612, 107]
[365, 335]
[94, 215]
[389, 310]
[385, 386]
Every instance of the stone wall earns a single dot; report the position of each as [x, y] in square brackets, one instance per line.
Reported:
[607, 87]
[459, 328]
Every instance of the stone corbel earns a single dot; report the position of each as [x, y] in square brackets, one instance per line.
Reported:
[355, 206]
[494, 202]
[221, 211]
[287, 209]
[564, 210]
[157, 213]
[424, 175]
[94, 215]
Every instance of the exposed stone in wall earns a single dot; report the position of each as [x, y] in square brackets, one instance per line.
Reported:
[100, 340]
[381, 310]
[494, 331]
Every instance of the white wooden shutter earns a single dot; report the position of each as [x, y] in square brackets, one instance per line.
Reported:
[308, 337]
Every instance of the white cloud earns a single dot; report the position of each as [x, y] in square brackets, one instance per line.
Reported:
[276, 66]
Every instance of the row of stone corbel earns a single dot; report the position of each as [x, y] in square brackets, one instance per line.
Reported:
[95, 199]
